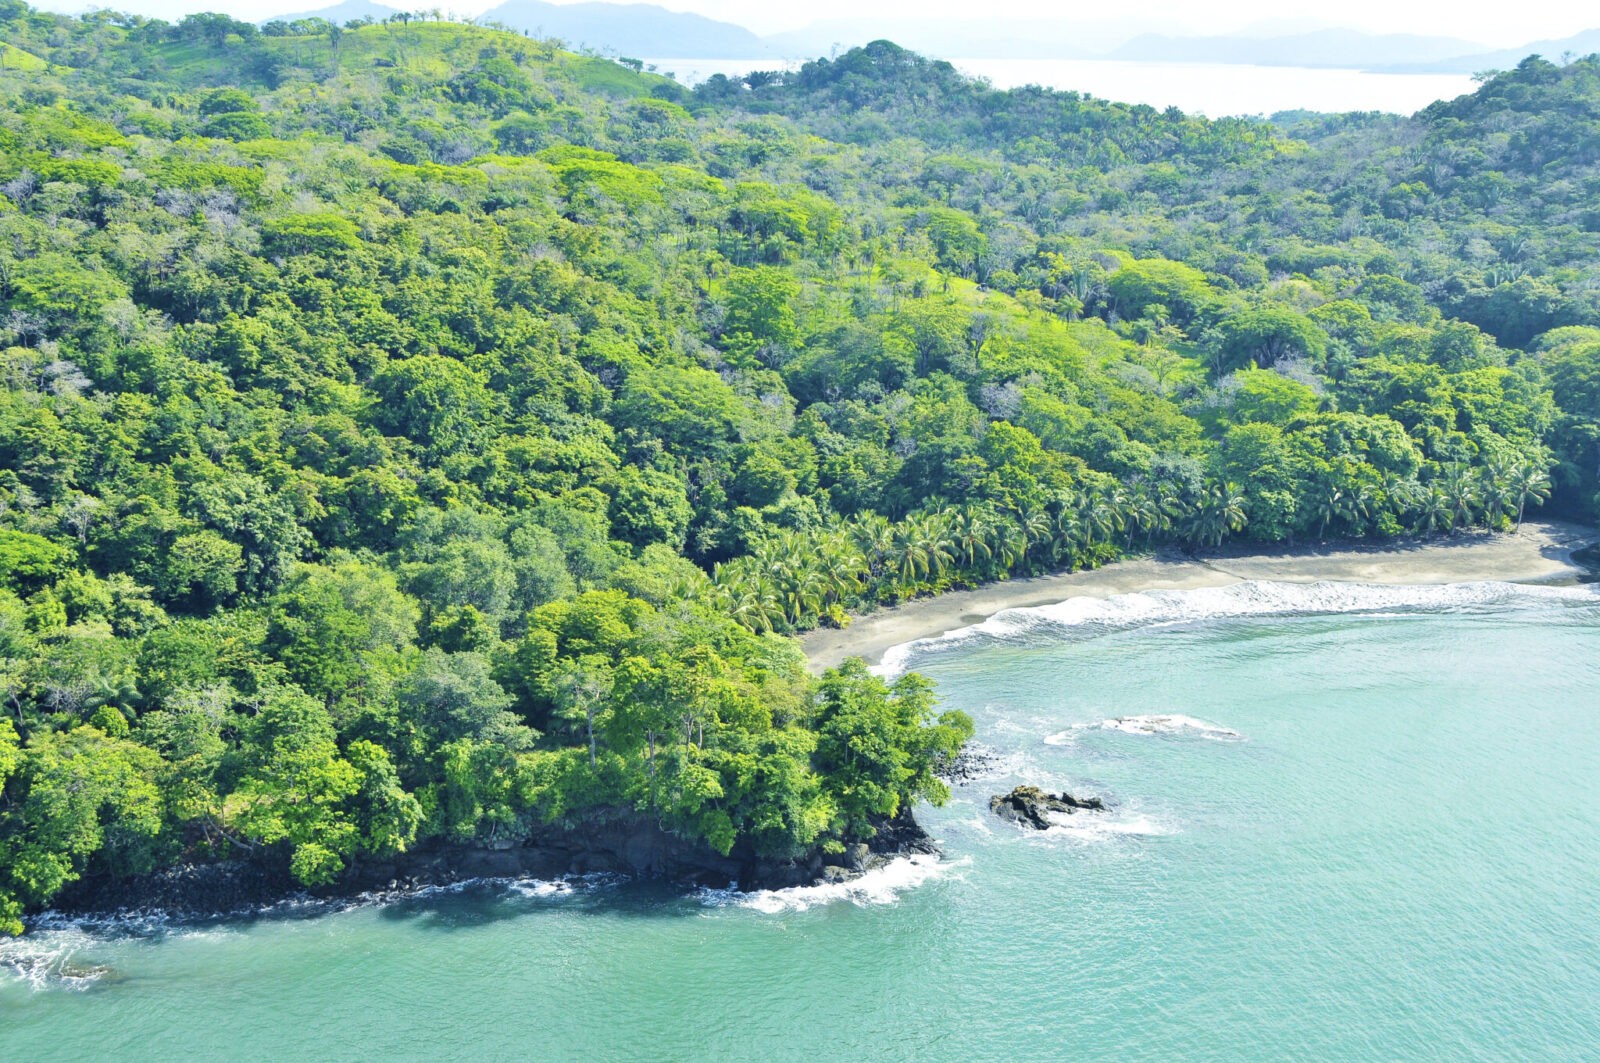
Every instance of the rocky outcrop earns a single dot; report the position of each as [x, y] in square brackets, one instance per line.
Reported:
[974, 762]
[617, 841]
[1031, 806]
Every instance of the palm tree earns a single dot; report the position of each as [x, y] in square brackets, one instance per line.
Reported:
[1010, 542]
[1431, 509]
[746, 598]
[1400, 495]
[1333, 504]
[972, 531]
[1461, 492]
[1170, 500]
[1220, 511]
[804, 595]
[1099, 517]
[1143, 514]
[1495, 489]
[910, 559]
[1067, 532]
[936, 538]
[1034, 522]
[874, 536]
[1529, 482]
[842, 565]
[1357, 507]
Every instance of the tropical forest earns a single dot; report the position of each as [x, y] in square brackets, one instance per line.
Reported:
[418, 435]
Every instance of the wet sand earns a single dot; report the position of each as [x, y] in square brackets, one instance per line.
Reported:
[1540, 553]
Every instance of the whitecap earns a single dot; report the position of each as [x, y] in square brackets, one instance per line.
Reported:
[1094, 828]
[1085, 615]
[882, 885]
[1159, 723]
[567, 886]
[53, 959]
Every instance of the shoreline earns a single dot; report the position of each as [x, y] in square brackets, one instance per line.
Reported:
[1540, 553]
[615, 843]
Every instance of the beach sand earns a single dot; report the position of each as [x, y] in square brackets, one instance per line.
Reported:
[1540, 553]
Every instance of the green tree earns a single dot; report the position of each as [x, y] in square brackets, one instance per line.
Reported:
[759, 324]
[296, 789]
[878, 747]
[1266, 335]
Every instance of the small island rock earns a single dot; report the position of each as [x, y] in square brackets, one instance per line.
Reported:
[1031, 805]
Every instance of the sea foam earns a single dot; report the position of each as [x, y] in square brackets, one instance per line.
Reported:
[50, 960]
[882, 885]
[1094, 828]
[1085, 616]
[1154, 723]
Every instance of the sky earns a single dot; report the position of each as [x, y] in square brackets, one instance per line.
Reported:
[1495, 24]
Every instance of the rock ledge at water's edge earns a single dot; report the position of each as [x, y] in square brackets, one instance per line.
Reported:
[620, 842]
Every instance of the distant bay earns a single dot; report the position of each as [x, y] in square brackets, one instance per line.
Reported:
[1211, 89]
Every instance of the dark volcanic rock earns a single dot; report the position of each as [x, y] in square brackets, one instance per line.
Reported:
[1031, 805]
[619, 841]
[972, 763]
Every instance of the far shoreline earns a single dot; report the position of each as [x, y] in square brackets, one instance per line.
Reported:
[1540, 553]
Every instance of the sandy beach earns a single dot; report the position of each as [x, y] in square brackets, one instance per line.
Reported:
[1540, 553]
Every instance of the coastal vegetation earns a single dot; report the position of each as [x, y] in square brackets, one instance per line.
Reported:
[418, 434]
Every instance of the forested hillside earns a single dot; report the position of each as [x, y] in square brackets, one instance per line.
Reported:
[415, 433]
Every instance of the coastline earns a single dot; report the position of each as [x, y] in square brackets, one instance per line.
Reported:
[1540, 553]
[610, 842]
[615, 842]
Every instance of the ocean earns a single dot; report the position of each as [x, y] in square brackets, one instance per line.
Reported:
[1346, 823]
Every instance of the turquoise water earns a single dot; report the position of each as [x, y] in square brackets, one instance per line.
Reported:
[1368, 834]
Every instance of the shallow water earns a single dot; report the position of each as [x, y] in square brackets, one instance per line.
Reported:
[1370, 833]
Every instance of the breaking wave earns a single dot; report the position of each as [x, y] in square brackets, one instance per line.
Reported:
[1085, 617]
[1155, 723]
[1093, 828]
[58, 950]
[58, 959]
[882, 885]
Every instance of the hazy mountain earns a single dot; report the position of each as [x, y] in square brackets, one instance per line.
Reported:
[653, 32]
[641, 30]
[1585, 43]
[340, 13]
[1321, 48]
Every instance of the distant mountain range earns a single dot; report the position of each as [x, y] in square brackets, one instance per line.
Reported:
[1585, 43]
[632, 29]
[650, 31]
[625, 29]
[348, 11]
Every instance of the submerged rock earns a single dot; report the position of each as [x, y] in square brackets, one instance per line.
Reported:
[972, 763]
[1031, 806]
